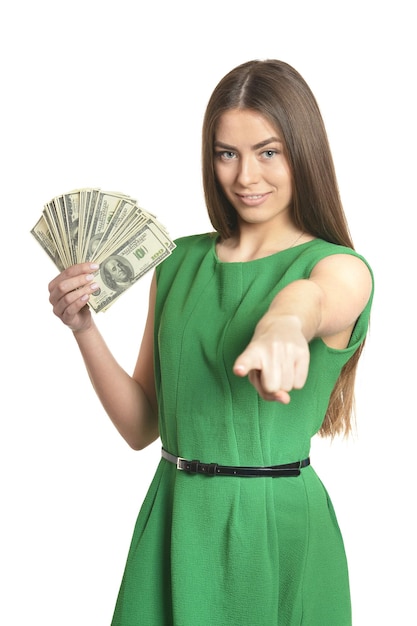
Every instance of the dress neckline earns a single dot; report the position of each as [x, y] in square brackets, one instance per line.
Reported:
[268, 256]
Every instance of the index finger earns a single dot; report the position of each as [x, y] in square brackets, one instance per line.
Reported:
[246, 362]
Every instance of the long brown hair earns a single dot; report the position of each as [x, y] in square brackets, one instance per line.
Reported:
[279, 93]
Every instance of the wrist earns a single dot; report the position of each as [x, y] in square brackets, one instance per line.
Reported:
[83, 330]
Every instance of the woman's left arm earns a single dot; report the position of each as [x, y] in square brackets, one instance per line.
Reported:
[325, 305]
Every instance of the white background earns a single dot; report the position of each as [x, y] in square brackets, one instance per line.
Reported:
[112, 94]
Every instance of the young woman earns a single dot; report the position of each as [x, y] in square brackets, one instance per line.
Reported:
[250, 349]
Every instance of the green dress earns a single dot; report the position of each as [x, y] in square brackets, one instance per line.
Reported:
[229, 551]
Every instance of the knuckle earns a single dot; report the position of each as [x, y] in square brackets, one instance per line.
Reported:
[61, 288]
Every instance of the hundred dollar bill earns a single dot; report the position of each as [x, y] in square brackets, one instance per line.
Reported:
[68, 227]
[108, 228]
[116, 236]
[88, 199]
[109, 234]
[56, 227]
[105, 206]
[70, 205]
[43, 236]
[126, 265]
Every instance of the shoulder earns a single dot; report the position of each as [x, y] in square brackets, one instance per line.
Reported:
[341, 269]
[319, 248]
[347, 279]
[320, 253]
[346, 274]
[341, 260]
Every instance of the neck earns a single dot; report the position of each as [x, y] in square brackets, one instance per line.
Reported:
[250, 243]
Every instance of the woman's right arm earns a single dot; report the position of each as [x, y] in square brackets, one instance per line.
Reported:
[130, 401]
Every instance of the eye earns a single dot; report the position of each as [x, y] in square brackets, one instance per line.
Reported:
[226, 155]
[269, 154]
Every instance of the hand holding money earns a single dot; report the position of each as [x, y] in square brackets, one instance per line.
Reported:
[105, 228]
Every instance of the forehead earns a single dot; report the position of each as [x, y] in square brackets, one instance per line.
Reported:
[245, 123]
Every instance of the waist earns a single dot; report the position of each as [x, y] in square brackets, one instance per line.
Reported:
[214, 469]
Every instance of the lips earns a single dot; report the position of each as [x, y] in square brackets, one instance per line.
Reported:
[252, 199]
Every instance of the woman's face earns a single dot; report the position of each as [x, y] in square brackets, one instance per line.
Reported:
[251, 167]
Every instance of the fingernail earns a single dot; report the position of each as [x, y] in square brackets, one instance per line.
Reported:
[94, 266]
[93, 286]
[89, 277]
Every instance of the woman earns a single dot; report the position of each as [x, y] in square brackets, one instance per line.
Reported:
[250, 348]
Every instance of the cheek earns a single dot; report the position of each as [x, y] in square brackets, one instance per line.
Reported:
[285, 180]
[221, 176]
[288, 184]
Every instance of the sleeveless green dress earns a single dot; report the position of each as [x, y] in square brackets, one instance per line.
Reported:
[228, 551]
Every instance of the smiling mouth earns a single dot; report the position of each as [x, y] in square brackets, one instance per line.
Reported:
[252, 197]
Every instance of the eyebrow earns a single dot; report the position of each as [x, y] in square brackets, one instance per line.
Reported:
[261, 144]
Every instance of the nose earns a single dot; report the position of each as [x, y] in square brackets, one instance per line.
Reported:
[248, 172]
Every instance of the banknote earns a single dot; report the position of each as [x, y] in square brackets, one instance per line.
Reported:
[44, 236]
[109, 228]
[126, 264]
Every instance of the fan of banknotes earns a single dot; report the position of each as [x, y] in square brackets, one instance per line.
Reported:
[106, 228]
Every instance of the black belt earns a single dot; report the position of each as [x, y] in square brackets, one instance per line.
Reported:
[212, 469]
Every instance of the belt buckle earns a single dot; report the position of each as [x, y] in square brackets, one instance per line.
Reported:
[180, 463]
[196, 467]
[188, 466]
